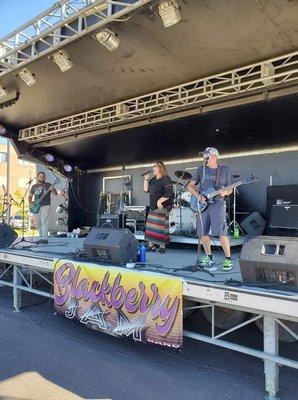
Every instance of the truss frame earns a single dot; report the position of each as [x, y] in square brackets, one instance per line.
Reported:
[59, 25]
[235, 83]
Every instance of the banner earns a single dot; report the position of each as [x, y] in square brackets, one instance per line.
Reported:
[144, 306]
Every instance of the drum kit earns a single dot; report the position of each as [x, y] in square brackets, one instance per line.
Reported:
[182, 219]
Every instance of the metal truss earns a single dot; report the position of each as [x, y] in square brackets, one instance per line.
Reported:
[262, 76]
[64, 22]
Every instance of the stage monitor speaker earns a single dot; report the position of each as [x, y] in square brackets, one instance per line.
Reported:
[254, 224]
[118, 246]
[7, 235]
[270, 261]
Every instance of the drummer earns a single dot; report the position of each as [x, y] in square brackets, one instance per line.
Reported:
[161, 196]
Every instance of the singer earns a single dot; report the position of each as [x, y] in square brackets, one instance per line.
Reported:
[211, 174]
[38, 190]
[161, 196]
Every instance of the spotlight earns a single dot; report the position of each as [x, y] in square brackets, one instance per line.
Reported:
[49, 157]
[62, 59]
[3, 92]
[67, 168]
[169, 12]
[27, 76]
[3, 130]
[108, 39]
[61, 208]
[61, 222]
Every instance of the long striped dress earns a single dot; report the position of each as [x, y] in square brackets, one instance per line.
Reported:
[157, 227]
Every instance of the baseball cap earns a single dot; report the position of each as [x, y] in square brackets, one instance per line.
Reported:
[210, 150]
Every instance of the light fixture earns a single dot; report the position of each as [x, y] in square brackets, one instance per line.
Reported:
[3, 92]
[49, 157]
[3, 130]
[61, 208]
[61, 223]
[67, 168]
[27, 76]
[62, 59]
[108, 39]
[169, 12]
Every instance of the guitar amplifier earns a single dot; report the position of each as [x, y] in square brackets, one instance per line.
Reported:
[110, 220]
[284, 216]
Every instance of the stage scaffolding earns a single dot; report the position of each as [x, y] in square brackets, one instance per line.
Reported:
[262, 77]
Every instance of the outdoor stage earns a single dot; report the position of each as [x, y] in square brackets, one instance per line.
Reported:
[22, 268]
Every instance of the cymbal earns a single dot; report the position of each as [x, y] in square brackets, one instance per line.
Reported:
[183, 175]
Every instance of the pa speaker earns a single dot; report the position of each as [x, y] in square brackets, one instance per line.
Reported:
[7, 235]
[270, 261]
[118, 246]
[254, 224]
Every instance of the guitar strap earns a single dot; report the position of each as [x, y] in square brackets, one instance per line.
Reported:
[217, 176]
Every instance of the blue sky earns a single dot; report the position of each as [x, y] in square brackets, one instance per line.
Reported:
[14, 13]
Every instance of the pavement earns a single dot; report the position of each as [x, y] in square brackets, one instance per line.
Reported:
[46, 356]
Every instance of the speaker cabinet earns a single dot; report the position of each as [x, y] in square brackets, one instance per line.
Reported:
[118, 246]
[270, 261]
[7, 235]
[254, 224]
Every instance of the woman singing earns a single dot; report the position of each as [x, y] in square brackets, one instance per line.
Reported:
[161, 194]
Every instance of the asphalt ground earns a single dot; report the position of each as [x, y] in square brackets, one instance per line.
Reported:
[46, 356]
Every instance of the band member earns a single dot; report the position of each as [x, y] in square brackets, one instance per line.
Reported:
[212, 175]
[161, 195]
[42, 217]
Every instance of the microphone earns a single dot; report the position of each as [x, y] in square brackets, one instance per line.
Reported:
[144, 173]
[31, 180]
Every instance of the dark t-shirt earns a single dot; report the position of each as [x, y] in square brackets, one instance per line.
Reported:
[158, 188]
[209, 180]
[38, 189]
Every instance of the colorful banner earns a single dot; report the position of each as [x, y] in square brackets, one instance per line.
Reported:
[144, 306]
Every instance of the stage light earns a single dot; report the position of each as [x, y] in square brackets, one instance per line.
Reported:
[27, 76]
[3, 130]
[49, 157]
[61, 208]
[169, 12]
[67, 168]
[108, 39]
[3, 92]
[61, 223]
[62, 59]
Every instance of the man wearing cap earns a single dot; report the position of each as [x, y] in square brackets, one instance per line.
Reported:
[211, 174]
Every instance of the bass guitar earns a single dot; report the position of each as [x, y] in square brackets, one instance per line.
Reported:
[34, 207]
[211, 193]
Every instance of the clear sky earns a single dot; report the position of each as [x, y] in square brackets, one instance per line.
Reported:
[14, 13]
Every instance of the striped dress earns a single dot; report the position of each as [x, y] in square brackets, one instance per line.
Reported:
[157, 227]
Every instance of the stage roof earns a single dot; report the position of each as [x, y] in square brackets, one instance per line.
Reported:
[214, 36]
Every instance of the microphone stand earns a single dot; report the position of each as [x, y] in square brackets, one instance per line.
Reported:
[22, 203]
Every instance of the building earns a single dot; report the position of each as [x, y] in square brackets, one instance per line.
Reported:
[20, 172]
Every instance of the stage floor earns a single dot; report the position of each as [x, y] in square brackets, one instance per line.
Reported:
[176, 261]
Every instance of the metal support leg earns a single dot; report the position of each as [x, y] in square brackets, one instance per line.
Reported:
[271, 368]
[17, 293]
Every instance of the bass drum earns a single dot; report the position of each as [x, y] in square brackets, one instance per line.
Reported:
[187, 224]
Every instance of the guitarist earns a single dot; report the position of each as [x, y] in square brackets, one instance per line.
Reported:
[42, 217]
[211, 174]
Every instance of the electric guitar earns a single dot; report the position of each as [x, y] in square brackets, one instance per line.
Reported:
[34, 207]
[210, 193]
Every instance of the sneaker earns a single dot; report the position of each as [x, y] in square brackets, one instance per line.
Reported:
[208, 263]
[227, 264]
